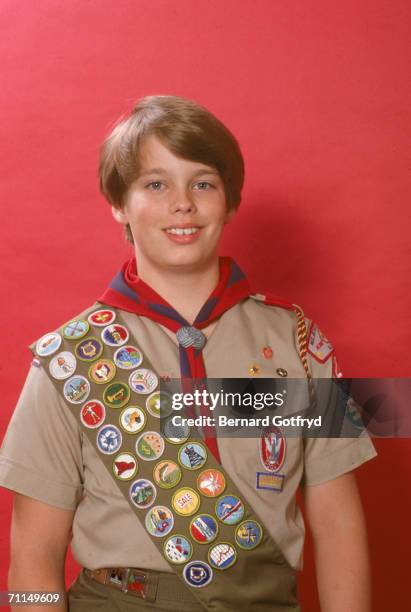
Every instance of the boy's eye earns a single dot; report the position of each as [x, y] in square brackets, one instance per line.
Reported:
[203, 185]
[155, 185]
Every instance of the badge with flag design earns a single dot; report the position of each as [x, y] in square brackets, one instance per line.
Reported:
[318, 345]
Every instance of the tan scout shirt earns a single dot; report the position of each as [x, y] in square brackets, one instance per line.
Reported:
[46, 456]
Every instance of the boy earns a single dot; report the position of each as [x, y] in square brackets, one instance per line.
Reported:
[97, 471]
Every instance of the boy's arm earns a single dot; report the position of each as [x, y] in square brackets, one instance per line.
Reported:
[336, 520]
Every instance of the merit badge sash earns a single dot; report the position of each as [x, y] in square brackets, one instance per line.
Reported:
[189, 506]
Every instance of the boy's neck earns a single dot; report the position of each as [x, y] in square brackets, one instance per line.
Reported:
[186, 291]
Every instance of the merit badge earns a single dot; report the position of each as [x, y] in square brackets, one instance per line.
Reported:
[229, 509]
[143, 381]
[101, 318]
[150, 446]
[248, 535]
[76, 389]
[102, 371]
[92, 414]
[76, 329]
[142, 493]
[63, 365]
[318, 345]
[211, 483]
[114, 335]
[185, 501]
[178, 549]
[128, 357]
[203, 528]
[175, 434]
[125, 466]
[159, 404]
[272, 448]
[270, 482]
[197, 574]
[222, 555]
[48, 344]
[159, 521]
[109, 439]
[167, 474]
[116, 395]
[89, 349]
[132, 419]
[192, 455]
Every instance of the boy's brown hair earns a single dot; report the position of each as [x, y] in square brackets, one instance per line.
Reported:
[186, 128]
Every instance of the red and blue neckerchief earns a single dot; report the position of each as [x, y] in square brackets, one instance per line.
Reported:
[128, 292]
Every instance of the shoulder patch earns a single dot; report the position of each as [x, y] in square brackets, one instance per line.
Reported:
[318, 345]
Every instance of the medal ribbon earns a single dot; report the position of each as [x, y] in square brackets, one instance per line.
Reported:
[130, 293]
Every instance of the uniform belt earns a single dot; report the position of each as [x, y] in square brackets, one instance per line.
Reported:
[146, 584]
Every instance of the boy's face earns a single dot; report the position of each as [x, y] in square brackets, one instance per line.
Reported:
[176, 210]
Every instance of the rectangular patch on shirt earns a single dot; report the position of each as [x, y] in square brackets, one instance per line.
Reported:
[272, 482]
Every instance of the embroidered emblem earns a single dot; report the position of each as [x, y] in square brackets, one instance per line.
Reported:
[89, 349]
[114, 335]
[254, 370]
[128, 357]
[101, 318]
[142, 493]
[222, 555]
[132, 419]
[271, 482]
[167, 474]
[318, 345]
[192, 455]
[175, 434]
[150, 446]
[62, 365]
[185, 501]
[92, 414]
[178, 549]
[229, 509]
[76, 389]
[282, 372]
[248, 535]
[268, 352]
[272, 449]
[143, 381]
[197, 574]
[125, 466]
[203, 528]
[336, 369]
[76, 329]
[109, 439]
[159, 521]
[116, 395]
[211, 483]
[48, 344]
[102, 371]
[159, 404]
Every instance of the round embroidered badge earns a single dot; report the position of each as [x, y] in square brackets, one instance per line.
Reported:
[143, 381]
[101, 318]
[197, 574]
[222, 555]
[185, 501]
[63, 365]
[48, 344]
[192, 455]
[159, 521]
[211, 483]
[92, 414]
[76, 389]
[132, 419]
[229, 509]
[178, 549]
[159, 404]
[203, 528]
[167, 474]
[114, 335]
[89, 349]
[128, 357]
[76, 329]
[102, 371]
[109, 439]
[248, 535]
[150, 446]
[142, 493]
[125, 466]
[175, 434]
[116, 395]
[272, 448]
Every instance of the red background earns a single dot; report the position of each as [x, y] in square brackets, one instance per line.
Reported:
[318, 94]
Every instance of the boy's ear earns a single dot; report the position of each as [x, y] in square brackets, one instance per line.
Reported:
[119, 215]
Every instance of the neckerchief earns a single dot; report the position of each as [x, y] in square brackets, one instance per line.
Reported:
[128, 292]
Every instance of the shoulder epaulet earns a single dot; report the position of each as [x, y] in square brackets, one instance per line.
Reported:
[272, 300]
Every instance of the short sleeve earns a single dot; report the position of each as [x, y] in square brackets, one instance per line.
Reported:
[328, 458]
[41, 455]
